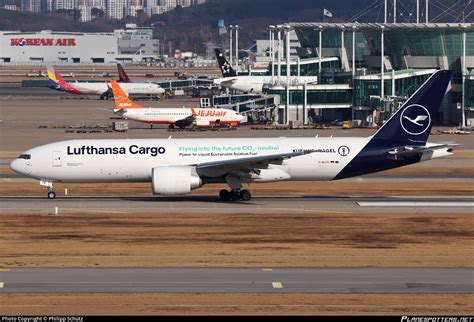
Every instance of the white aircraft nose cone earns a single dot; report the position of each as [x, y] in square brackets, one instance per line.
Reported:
[15, 166]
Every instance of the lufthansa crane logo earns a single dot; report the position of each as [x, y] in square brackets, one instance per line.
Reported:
[415, 119]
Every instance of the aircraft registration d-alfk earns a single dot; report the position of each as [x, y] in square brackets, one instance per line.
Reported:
[177, 166]
[180, 117]
[101, 88]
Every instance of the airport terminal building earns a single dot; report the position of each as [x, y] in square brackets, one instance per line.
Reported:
[133, 45]
[357, 82]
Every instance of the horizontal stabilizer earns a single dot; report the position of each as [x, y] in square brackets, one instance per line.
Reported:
[408, 151]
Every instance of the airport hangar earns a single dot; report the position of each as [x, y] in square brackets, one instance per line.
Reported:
[130, 45]
[350, 82]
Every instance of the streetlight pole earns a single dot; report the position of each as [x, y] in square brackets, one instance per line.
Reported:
[272, 51]
[463, 75]
[343, 48]
[426, 14]
[279, 53]
[353, 51]
[231, 28]
[288, 71]
[320, 54]
[394, 11]
[236, 47]
[382, 69]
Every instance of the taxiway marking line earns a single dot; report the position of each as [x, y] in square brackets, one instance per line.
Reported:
[95, 210]
[313, 210]
[2, 285]
[267, 270]
[4, 269]
[277, 284]
[415, 204]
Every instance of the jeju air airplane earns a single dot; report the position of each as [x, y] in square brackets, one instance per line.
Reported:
[180, 117]
[102, 88]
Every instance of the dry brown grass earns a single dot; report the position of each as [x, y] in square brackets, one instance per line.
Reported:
[292, 239]
[237, 304]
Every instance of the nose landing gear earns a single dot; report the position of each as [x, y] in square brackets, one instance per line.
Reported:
[49, 184]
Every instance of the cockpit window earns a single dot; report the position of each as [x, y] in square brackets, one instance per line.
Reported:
[25, 156]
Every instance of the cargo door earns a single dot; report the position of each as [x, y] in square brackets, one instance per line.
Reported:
[57, 159]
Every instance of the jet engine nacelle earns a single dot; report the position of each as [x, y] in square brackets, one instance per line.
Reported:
[174, 180]
[202, 123]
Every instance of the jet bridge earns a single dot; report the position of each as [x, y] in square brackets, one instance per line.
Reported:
[176, 84]
[254, 106]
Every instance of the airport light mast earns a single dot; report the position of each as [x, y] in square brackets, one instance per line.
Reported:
[272, 50]
[231, 28]
[236, 47]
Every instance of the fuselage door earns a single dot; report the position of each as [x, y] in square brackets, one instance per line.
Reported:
[57, 159]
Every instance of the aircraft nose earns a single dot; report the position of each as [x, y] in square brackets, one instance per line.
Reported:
[15, 166]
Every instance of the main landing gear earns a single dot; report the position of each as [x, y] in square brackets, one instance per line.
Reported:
[231, 195]
[236, 192]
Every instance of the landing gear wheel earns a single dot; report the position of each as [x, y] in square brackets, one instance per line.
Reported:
[224, 195]
[234, 195]
[245, 195]
[51, 195]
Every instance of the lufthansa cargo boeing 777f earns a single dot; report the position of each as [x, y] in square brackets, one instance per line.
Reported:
[177, 166]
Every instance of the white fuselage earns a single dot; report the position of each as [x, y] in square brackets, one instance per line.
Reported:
[254, 84]
[133, 160]
[205, 116]
[129, 88]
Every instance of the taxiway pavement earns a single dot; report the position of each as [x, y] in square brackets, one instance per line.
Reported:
[242, 280]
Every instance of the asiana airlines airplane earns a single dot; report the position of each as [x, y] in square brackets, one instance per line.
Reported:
[177, 166]
[102, 88]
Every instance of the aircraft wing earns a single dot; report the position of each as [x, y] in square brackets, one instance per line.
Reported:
[409, 151]
[249, 163]
[228, 80]
[188, 120]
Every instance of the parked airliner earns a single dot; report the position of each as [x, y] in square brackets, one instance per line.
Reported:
[102, 88]
[177, 166]
[254, 83]
[180, 117]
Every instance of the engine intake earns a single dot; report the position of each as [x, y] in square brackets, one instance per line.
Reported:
[174, 180]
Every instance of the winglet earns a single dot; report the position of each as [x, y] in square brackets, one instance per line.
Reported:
[121, 99]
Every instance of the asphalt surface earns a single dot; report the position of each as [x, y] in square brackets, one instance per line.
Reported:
[244, 280]
[212, 204]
